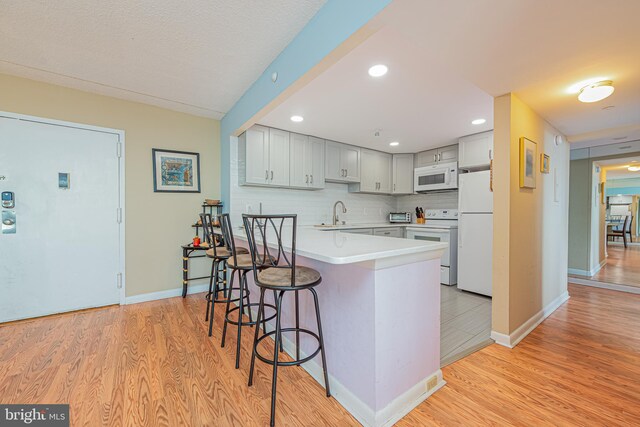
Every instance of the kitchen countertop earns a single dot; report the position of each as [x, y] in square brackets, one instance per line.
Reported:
[334, 247]
[428, 224]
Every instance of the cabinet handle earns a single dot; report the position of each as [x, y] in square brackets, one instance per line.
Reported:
[490, 154]
[346, 172]
[311, 176]
[306, 180]
[394, 187]
[271, 175]
[439, 156]
[435, 157]
[266, 175]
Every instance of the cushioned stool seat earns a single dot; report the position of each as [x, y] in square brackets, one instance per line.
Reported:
[222, 252]
[244, 261]
[282, 276]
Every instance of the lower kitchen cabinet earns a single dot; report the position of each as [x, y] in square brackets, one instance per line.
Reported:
[368, 231]
[389, 232]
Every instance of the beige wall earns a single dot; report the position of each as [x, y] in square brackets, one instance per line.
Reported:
[156, 223]
[579, 214]
[530, 225]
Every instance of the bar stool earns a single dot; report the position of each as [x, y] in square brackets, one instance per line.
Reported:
[240, 263]
[219, 256]
[278, 271]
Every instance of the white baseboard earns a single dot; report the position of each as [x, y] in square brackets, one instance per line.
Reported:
[169, 293]
[366, 416]
[604, 285]
[587, 273]
[518, 335]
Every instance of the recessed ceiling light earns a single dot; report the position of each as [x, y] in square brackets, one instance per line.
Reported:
[478, 121]
[378, 70]
[634, 168]
[297, 119]
[597, 91]
[394, 143]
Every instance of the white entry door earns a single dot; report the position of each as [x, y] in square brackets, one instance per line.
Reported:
[64, 254]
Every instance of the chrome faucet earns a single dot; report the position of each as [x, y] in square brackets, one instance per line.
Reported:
[335, 215]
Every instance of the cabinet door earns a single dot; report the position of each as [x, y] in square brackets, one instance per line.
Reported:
[368, 231]
[257, 155]
[448, 154]
[476, 151]
[402, 174]
[384, 173]
[333, 165]
[369, 171]
[350, 161]
[278, 157]
[389, 232]
[315, 162]
[426, 158]
[298, 163]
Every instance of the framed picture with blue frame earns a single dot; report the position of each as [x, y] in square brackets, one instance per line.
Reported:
[175, 171]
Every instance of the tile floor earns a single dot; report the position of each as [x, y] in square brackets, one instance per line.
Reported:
[465, 323]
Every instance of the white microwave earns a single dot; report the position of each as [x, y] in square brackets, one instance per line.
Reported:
[443, 176]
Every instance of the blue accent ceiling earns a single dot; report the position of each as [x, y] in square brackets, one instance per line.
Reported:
[334, 23]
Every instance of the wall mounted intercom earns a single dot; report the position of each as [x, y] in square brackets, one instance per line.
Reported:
[8, 200]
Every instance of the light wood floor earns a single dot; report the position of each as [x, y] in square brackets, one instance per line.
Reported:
[152, 364]
[623, 266]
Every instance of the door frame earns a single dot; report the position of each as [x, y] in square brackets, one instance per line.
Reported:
[121, 178]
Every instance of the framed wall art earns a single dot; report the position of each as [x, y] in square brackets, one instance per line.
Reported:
[175, 171]
[528, 155]
[544, 163]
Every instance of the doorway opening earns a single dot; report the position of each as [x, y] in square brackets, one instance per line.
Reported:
[610, 256]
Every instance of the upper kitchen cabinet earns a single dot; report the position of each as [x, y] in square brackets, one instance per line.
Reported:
[263, 157]
[446, 154]
[306, 162]
[402, 170]
[476, 151]
[342, 162]
[375, 173]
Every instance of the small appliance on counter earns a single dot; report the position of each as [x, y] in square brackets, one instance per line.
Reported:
[400, 217]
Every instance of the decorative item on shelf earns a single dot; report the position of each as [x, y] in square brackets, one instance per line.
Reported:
[175, 171]
[528, 154]
[196, 241]
[544, 163]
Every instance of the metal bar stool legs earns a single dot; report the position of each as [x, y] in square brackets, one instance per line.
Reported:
[277, 333]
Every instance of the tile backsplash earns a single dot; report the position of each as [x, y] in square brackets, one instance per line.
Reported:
[316, 207]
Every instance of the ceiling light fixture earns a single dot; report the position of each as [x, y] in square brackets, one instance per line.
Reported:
[378, 70]
[634, 168]
[597, 91]
[297, 119]
[394, 143]
[478, 121]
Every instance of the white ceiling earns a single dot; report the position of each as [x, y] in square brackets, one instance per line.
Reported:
[193, 56]
[448, 59]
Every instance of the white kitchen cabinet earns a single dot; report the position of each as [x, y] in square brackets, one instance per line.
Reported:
[375, 173]
[389, 232]
[402, 174]
[342, 162]
[447, 154]
[306, 162]
[253, 156]
[475, 151]
[279, 157]
[263, 157]
[316, 162]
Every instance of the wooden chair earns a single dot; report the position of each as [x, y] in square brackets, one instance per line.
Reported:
[626, 229]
